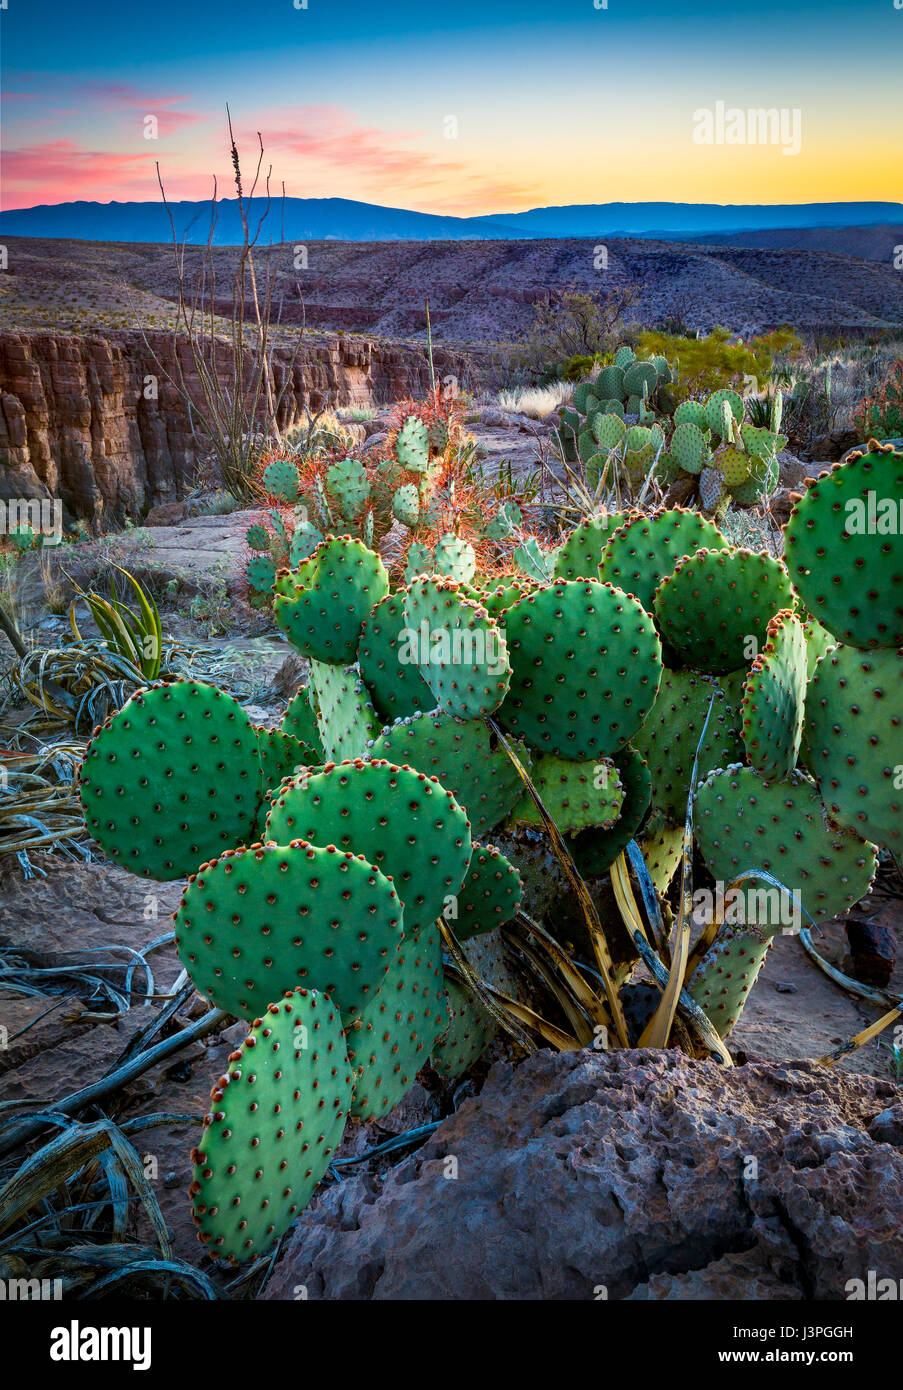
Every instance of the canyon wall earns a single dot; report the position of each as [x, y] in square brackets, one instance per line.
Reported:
[79, 421]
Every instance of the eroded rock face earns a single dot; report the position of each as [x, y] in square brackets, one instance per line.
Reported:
[640, 1174]
[78, 419]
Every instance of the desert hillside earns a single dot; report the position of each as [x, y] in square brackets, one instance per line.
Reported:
[478, 291]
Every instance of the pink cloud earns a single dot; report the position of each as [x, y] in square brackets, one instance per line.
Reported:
[72, 172]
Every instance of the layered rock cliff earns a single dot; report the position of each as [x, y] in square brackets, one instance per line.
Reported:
[79, 420]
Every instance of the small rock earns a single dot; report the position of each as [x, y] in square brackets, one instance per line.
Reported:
[494, 419]
[784, 988]
[374, 441]
[167, 514]
[887, 1128]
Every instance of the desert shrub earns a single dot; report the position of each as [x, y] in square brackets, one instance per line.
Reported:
[881, 413]
[535, 401]
[710, 363]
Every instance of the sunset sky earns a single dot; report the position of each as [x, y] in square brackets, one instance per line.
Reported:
[555, 101]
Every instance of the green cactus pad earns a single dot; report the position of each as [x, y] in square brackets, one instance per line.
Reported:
[534, 561]
[670, 738]
[714, 415]
[347, 479]
[854, 729]
[689, 447]
[261, 573]
[608, 431]
[489, 896]
[406, 504]
[280, 479]
[743, 823]
[281, 755]
[323, 618]
[716, 606]
[722, 980]
[691, 413]
[844, 553]
[393, 1038]
[257, 922]
[462, 653]
[300, 720]
[645, 549]
[624, 356]
[507, 521]
[412, 445]
[396, 686]
[638, 375]
[818, 641]
[277, 1116]
[399, 819]
[576, 795]
[497, 600]
[594, 851]
[171, 779]
[258, 537]
[479, 775]
[733, 465]
[346, 720]
[662, 849]
[667, 470]
[761, 443]
[581, 396]
[419, 561]
[774, 699]
[305, 539]
[609, 384]
[455, 558]
[580, 554]
[586, 665]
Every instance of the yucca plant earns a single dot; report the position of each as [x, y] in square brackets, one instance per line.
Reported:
[134, 633]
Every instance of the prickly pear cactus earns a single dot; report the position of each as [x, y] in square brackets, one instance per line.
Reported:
[393, 1038]
[774, 699]
[489, 896]
[260, 920]
[716, 606]
[576, 795]
[846, 561]
[401, 821]
[465, 759]
[275, 1119]
[645, 549]
[172, 779]
[463, 655]
[744, 823]
[566, 641]
[854, 718]
[323, 615]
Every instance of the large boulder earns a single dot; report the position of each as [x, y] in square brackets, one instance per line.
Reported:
[623, 1175]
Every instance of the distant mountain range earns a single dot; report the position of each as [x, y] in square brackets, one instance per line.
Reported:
[343, 219]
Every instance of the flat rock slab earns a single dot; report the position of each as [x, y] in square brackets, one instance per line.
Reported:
[622, 1175]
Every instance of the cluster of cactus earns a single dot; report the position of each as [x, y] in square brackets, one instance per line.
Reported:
[641, 390]
[404, 485]
[331, 858]
[628, 417]
[731, 459]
